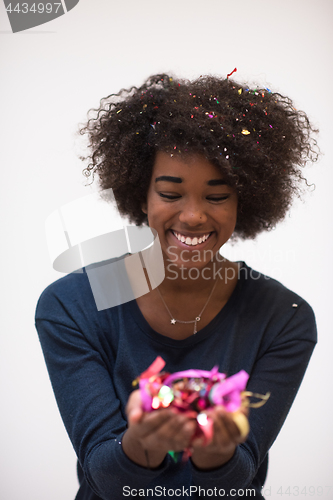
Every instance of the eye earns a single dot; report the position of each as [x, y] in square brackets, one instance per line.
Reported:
[218, 198]
[169, 196]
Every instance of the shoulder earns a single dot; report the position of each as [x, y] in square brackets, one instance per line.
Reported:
[270, 302]
[264, 289]
[76, 292]
[68, 294]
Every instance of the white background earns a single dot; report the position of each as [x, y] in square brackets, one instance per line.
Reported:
[51, 76]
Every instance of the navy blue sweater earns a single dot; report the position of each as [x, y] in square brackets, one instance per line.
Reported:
[93, 356]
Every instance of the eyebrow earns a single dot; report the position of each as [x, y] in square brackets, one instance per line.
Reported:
[168, 178]
[179, 180]
[216, 182]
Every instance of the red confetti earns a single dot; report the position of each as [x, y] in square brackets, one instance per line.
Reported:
[154, 368]
[233, 71]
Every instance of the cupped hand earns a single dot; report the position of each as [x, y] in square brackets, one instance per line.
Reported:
[227, 434]
[154, 433]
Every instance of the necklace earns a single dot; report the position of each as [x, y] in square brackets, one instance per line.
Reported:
[173, 320]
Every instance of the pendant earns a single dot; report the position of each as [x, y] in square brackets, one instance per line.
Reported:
[195, 324]
[173, 321]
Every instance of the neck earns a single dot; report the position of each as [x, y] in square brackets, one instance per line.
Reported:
[187, 279]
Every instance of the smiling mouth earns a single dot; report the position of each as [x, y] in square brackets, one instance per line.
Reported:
[191, 241]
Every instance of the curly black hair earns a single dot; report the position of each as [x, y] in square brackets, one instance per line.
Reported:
[255, 137]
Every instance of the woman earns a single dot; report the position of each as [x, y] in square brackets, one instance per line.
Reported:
[199, 162]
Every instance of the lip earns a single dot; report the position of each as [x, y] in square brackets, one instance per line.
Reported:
[191, 235]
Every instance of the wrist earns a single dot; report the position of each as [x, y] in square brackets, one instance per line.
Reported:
[135, 451]
[205, 460]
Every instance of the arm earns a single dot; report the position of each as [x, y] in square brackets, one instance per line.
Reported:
[279, 369]
[88, 403]
[151, 435]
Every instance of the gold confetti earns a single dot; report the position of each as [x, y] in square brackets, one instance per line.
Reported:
[245, 131]
[240, 91]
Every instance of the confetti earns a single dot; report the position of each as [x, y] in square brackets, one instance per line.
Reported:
[240, 91]
[193, 392]
[245, 131]
[202, 419]
[233, 71]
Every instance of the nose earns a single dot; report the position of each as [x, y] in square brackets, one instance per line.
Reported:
[192, 214]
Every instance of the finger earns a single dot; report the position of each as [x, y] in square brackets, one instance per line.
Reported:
[220, 437]
[174, 434]
[242, 424]
[225, 430]
[221, 428]
[198, 442]
[134, 408]
[236, 425]
[151, 422]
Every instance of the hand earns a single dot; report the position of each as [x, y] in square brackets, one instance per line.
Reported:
[226, 436]
[154, 433]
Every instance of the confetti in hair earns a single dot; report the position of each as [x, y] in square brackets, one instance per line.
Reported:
[210, 115]
[233, 71]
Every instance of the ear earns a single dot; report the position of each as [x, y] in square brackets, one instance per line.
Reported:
[144, 208]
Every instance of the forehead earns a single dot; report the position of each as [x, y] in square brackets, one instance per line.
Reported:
[187, 166]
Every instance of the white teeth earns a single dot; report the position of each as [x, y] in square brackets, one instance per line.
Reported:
[189, 241]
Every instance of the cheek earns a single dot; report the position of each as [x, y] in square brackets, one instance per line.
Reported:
[228, 213]
[233, 214]
[232, 221]
[157, 215]
[232, 211]
[229, 219]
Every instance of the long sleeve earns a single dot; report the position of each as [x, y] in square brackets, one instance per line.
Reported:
[279, 369]
[92, 358]
[87, 401]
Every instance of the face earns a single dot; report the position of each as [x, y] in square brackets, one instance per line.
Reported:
[191, 207]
